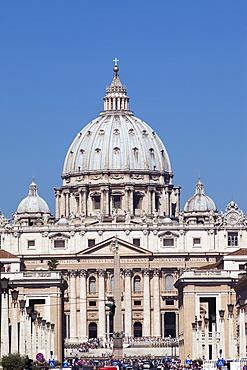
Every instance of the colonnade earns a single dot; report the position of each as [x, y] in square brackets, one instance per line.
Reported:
[29, 334]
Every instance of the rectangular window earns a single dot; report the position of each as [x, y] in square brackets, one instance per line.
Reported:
[232, 239]
[31, 244]
[97, 202]
[196, 242]
[91, 242]
[168, 242]
[137, 303]
[169, 302]
[59, 243]
[117, 201]
[137, 242]
[92, 303]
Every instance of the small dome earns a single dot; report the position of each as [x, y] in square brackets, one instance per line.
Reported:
[62, 221]
[200, 202]
[33, 203]
[166, 220]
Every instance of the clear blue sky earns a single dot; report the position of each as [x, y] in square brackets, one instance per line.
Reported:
[184, 63]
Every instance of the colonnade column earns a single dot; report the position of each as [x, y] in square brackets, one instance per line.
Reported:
[14, 329]
[67, 208]
[163, 324]
[22, 332]
[101, 305]
[146, 304]
[242, 337]
[58, 213]
[73, 313]
[83, 306]
[128, 308]
[4, 324]
[156, 303]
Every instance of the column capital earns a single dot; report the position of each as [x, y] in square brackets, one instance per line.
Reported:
[127, 272]
[72, 273]
[101, 272]
[82, 273]
[156, 272]
[146, 272]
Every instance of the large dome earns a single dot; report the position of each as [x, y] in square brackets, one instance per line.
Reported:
[33, 203]
[116, 140]
[200, 202]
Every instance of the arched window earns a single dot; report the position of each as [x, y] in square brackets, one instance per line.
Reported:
[137, 283]
[112, 283]
[169, 282]
[92, 284]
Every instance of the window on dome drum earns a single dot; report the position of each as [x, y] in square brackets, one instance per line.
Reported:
[137, 242]
[169, 282]
[97, 202]
[117, 201]
[92, 284]
[137, 283]
[173, 209]
[31, 244]
[232, 239]
[168, 242]
[92, 303]
[137, 303]
[137, 201]
[59, 243]
[91, 242]
[157, 203]
[196, 242]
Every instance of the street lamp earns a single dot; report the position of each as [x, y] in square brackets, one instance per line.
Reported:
[213, 316]
[29, 310]
[194, 325]
[5, 285]
[22, 303]
[43, 322]
[52, 326]
[48, 324]
[34, 315]
[221, 313]
[241, 301]
[39, 319]
[206, 320]
[230, 308]
[14, 294]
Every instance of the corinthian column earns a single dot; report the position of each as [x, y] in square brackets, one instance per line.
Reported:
[102, 319]
[4, 324]
[72, 298]
[128, 308]
[146, 304]
[83, 306]
[156, 303]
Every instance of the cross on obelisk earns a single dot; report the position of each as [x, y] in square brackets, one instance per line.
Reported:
[116, 60]
[118, 327]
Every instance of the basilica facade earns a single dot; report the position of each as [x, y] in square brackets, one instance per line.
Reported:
[117, 187]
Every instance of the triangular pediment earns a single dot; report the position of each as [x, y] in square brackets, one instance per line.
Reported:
[108, 246]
